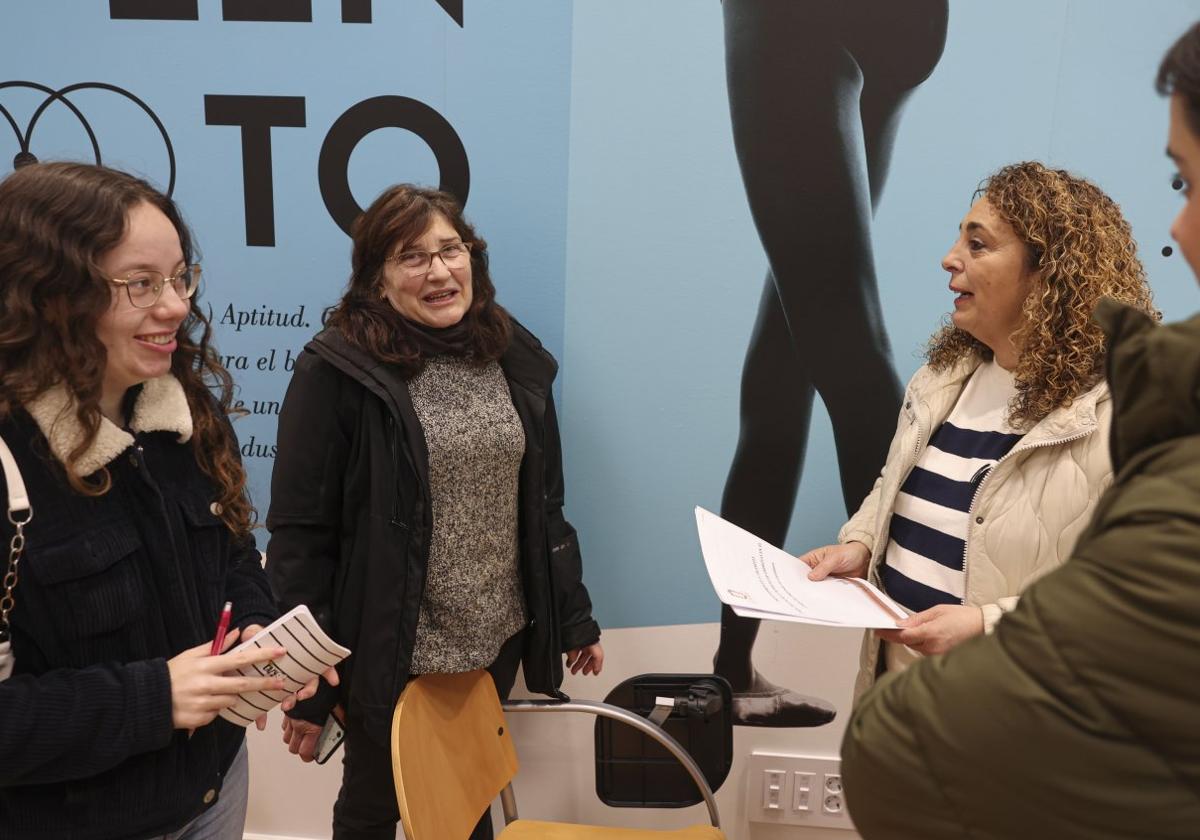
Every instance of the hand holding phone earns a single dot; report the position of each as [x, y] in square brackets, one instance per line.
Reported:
[331, 737]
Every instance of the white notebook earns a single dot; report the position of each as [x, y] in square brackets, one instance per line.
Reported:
[309, 653]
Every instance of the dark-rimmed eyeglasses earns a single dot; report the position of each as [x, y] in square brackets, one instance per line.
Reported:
[454, 255]
[145, 287]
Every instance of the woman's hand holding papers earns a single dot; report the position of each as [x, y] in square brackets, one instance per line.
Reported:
[936, 629]
[847, 560]
[932, 631]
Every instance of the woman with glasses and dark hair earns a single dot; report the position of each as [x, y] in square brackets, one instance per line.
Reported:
[417, 496]
[114, 404]
[1078, 717]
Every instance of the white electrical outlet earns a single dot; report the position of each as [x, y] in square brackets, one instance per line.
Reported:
[796, 790]
[834, 803]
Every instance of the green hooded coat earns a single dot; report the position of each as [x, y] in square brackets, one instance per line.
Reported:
[1080, 716]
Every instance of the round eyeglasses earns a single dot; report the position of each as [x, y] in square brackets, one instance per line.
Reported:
[145, 287]
[454, 255]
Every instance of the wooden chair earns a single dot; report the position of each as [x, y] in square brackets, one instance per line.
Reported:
[452, 755]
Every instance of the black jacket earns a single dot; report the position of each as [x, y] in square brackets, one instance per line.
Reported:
[351, 519]
[110, 588]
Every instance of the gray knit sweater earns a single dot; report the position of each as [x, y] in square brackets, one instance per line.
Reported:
[473, 598]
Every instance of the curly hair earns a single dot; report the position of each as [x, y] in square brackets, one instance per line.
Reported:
[400, 215]
[56, 220]
[1082, 250]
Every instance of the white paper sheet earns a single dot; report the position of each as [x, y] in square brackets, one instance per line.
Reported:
[759, 580]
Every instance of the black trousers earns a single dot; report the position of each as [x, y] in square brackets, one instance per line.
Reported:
[366, 806]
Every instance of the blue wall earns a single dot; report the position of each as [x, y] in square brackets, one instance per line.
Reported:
[502, 81]
[665, 267]
[603, 175]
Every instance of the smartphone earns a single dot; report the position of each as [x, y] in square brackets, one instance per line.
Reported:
[331, 737]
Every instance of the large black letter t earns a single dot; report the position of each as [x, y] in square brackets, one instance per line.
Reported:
[256, 115]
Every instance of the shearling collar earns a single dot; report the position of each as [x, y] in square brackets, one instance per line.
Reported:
[160, 407]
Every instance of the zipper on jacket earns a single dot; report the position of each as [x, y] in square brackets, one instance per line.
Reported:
[988, 473]
[920, 435]
[555, 655]
[397, 497]
[980, 474]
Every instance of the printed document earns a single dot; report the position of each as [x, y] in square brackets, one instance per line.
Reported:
[759, 580]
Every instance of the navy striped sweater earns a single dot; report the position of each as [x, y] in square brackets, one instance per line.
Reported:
[926, 550]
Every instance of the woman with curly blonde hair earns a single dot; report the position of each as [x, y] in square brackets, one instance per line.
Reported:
[1077, 239]
[1091, 681]
[1001, 451]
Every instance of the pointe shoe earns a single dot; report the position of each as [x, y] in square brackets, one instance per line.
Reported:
[767, 704]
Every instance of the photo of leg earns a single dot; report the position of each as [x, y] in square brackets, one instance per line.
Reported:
[816, 91]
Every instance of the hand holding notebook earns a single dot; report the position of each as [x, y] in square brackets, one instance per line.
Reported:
[310, 652]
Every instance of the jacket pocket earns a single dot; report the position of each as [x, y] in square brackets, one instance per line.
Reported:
[571, 602]
[96, 577]
[206, 535]
[208, 547]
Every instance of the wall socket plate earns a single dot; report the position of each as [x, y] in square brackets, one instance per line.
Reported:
[796, 790]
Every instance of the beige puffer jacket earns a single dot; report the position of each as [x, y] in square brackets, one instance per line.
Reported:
[1027, 512]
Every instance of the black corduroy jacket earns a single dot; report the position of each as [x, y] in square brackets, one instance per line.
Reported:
[351, 519]
[110, 588]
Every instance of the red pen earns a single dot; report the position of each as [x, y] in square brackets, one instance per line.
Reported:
[222, 629]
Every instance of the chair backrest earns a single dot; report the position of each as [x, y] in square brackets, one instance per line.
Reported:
[451, 754]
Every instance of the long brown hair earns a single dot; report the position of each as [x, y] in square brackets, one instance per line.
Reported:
[400, 215]
[56, 220]
[1083, 249]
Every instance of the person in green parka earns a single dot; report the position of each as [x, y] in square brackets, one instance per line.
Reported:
[1080, 716]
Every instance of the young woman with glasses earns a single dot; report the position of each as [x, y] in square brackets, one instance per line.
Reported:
[417, 496]
[114, 404]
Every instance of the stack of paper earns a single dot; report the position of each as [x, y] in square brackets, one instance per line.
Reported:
[759, 580]
[309, 653]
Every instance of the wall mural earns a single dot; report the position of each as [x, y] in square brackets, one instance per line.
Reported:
[816, 90]
[837, 158]
[249, 115]
[638, 168]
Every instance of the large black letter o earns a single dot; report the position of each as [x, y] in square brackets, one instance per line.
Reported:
[387, 112]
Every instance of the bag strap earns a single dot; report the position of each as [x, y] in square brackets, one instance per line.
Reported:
[20, 512]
